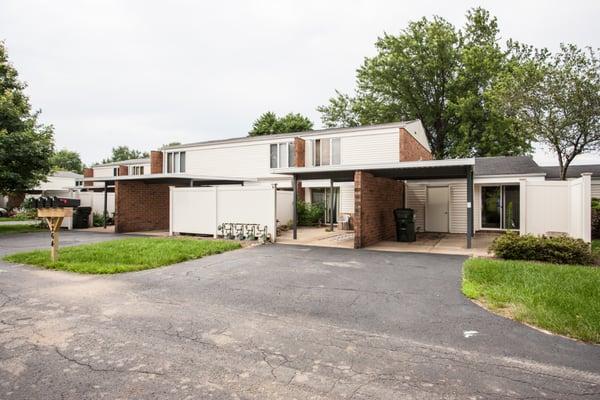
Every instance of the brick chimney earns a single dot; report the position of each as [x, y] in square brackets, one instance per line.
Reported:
[123, 170]
[88, 173]
[299, 152]
[156, 162]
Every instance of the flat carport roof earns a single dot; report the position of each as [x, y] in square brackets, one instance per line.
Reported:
[405, 170]
[172, 178]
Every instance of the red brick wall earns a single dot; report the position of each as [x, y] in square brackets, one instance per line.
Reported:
[374, 202]
[299, 155]
[156, 162]
[299, 151]
[411, 149]
[88, 173]
[141, 206]
[123, 170]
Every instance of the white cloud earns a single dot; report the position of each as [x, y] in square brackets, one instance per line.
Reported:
[144, 73]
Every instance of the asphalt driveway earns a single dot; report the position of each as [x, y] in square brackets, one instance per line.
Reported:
[272, 322]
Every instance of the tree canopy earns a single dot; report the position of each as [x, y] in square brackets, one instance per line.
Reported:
[558, 100]
[269, 123]
[67, 160]
[25, 144]
[444, 76]
[122, 153]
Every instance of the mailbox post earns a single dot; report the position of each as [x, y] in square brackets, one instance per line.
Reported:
[54, 217]
[54, 210]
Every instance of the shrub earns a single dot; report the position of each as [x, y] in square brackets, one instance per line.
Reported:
[595, 218]
[310, 213]
[98, 220]
[558, 250]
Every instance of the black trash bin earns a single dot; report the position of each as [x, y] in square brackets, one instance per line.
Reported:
[81, 217]
[405, 225]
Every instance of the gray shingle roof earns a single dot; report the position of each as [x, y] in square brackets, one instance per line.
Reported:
[574, 171]
[511, 165]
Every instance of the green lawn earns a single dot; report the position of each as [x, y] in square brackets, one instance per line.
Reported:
[19, 217]
[564, 299]
[6, 229]
[596, 246]
[124, 255]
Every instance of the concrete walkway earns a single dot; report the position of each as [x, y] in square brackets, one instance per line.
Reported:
[434, 243]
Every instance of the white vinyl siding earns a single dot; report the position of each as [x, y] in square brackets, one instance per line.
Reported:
[596, 190]
[370, 149]
[416, 197]
[347, 199]
[458, 208]
[250, 160]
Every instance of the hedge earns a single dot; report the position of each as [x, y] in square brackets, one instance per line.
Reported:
[557, 250]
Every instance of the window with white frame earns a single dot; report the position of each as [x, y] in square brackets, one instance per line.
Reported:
[326, 151]
[116, 171]
[175, 162]
[282, 155]
[137, 170]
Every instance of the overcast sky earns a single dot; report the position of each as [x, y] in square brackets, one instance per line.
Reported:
[145, 73]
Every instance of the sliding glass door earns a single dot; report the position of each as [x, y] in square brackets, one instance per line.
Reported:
[500, 207]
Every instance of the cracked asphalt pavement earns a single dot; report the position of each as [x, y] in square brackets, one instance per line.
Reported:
[272, 322]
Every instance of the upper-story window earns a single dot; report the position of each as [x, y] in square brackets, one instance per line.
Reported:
[175, 161]
[137, 170]
[116, 171]
[282, 155]
[326, 151]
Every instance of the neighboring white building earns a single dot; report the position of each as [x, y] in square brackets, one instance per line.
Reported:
[59, 183]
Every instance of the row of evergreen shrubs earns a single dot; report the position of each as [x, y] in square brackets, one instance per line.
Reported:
[557, 250]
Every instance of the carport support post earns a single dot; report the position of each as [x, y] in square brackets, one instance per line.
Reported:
[469, 206]
[294, 207]
[331, 204]
[105, 202]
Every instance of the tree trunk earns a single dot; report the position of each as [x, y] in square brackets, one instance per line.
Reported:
[15, 199]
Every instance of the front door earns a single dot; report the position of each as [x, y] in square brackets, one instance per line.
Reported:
[436, 212]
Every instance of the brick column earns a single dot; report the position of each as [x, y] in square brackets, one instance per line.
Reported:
[374, 202]
[411, 149]
[156, 162]
[141, 206]
[88, 173]
[299, 156]
[123, 170]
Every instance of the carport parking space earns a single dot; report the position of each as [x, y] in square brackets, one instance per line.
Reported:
[276, 321]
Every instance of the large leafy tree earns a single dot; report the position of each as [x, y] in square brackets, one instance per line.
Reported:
[269, 123]
[25, 145]
[122, 153]
[67, 160]
[560, 100]
[443, 76]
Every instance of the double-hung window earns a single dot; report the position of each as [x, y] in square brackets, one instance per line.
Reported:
[116, 171]
[137, 170]
[282, 155]
[326, 151]
[175, 162]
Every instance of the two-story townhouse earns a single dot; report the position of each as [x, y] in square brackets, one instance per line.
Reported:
[365, 172]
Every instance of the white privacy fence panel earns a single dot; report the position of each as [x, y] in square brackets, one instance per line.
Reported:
[193, 210]
[95, 200]
[285, 210]
[202, 210]
[550, 207]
